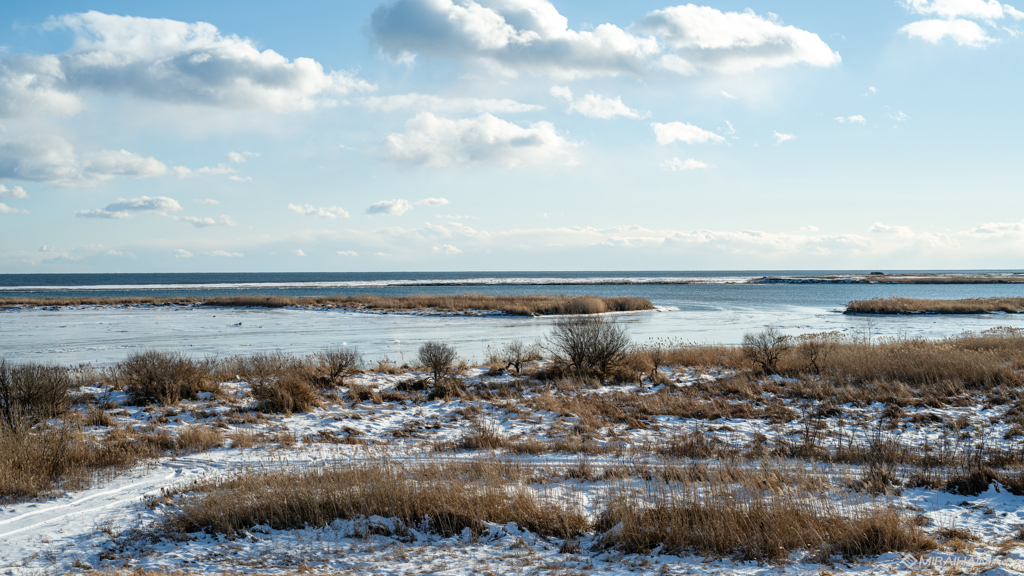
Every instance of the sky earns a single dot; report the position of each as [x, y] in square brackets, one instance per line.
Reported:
[420, 135]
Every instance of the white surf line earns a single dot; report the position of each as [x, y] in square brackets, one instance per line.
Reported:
[154, 483]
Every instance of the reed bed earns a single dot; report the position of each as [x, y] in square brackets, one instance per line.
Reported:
[519, 305]
[687, 509]
[894, 305]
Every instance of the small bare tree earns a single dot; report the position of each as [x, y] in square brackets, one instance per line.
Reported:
[438, 357]
[816, 349]
[338, 362]
[765, 348]
[588, 344]
[657, 356]
[516, 353]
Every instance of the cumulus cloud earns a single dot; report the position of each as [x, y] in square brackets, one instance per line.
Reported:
[683, 132]
[165, 60]
[429, 140]
[180, 253]
[209, 202]
[389, 207]
[531, 35]
[963, 32]
[225, 254]
[348, 253]
[675, 164]
[855, 119]
[198, 222]
[299, 252]
[331, 212]
[780, 138]
[14, 192]
[431, 202]
[5, 209]
[956, 20]
[446, 249]
[53, 159]
[102, 214]
[704, 39]
[593, 105]
[438, 104]
[239, 157]
[158, 204]
[511, 34]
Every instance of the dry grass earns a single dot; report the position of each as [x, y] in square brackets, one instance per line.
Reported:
[285, 394]
[519, 305]
[450, 497]
[894, 305]
[729, 511]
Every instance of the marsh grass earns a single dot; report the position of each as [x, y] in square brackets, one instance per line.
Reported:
[518, 305]
[895, 305]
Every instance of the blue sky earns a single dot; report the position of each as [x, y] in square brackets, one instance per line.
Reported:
[510, 135]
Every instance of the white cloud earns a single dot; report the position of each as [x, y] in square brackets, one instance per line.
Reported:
[119, 254]
[431, 202]
[5, 209]
[348, 253]
[47, 248]
[511, 34]
[872, 89]
[976, 9]
[683, 132]
[593, 105]
[438, 104]
[331, 212]
[179, 253]
[729, 96]
[159, 204]
[14, 192]
[429, 140]
[809, 228]
[299, 252]
[855, 119]
[676, 164]
[531, 35]
[240, 178]
[704, 39]
[963, 32]
[447, 249]
[225, 254]
[209, 202]
[198, 222]
[780, 138]
[389, 207]
[879, 228]
[102, 214]
[53, 159]
[382, 254]
[165, 60]
[899, 117]
[238, 157]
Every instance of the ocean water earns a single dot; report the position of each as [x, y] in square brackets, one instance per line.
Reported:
[693, 307]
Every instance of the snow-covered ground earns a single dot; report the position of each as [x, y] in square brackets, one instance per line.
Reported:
[110, 526]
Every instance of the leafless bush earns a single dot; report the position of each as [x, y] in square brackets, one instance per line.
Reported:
[818, 348]
[32, 392]
[338, 362]
[516, 353]
[438, 357]
[163, 378]
[589, 345]
[765, 348]
[285, 394]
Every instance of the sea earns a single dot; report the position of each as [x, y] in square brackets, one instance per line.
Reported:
[693, 307]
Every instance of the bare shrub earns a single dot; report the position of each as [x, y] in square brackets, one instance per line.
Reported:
[587, 344]
[164, 378]
[338, 362]
[32, 392]
[515, 354]
[438, 358]
[765, 348]
[285, 394]
[255, 366]
[817, 349]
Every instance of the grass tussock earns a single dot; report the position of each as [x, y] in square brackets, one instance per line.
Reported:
[733, 512]
[286, 394]
[894, 305]
[443, 498]
[519, 305]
